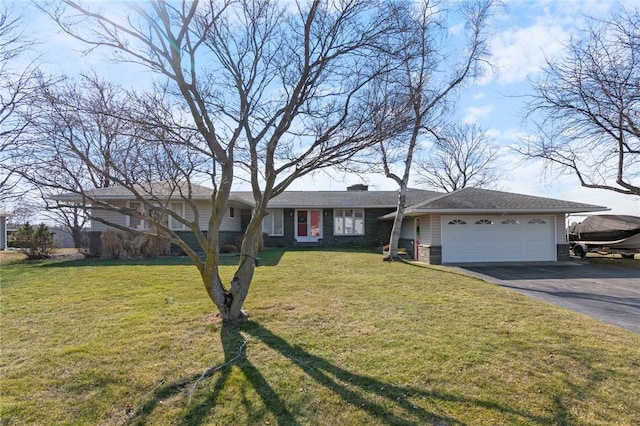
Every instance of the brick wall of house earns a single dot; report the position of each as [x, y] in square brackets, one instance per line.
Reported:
[376, 231]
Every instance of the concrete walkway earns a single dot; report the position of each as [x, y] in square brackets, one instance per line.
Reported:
[608, 293]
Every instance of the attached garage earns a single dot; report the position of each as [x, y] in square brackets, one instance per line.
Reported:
[481, 225]
[498, 238]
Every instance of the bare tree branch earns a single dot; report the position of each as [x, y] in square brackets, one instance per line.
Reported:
[422, 87]
[463, 155]
[264, 90]
[585, 107]
[17, 83]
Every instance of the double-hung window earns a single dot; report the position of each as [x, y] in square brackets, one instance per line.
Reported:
[141, 220]
[135, 221]
[176, 207]
[348, 222]
[273, 223]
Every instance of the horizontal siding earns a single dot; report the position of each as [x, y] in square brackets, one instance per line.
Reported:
[111, 216]
[561, 231]
[232, 224]
[436, 230]
[407, 231]
[204, 213]
[425, 237]
[204, 210]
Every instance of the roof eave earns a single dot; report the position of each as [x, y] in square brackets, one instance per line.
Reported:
[66, 197]
[422, 212]
[328, 206]
[512, 210]
[89, 197]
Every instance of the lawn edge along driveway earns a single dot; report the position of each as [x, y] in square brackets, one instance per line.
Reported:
[608, 293]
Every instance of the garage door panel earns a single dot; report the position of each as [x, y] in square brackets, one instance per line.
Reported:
[496, 239]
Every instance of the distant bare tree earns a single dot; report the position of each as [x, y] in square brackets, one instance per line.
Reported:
[462, 155]
[25, 209]
[586, 107]
[73, 135]
[277, 89]
[73, 218]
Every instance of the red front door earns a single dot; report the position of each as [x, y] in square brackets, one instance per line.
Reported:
[309, 225]
[302, 223]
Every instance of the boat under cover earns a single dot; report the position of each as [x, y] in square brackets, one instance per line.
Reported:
[606, 228]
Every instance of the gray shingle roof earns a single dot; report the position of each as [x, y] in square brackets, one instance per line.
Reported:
[159, 190]
[476, 199]
[419, 201]
[288, 199]
[338, 199]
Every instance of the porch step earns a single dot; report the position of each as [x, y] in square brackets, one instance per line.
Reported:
[307, 244]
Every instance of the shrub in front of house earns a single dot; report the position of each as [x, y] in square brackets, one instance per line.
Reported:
[261, 241]
[36, 243]
[121, 245]
[113, 243]
[147, 246]
[229, 248]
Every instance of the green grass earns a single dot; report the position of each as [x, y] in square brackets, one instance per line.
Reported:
[333, 338]
[615, 261]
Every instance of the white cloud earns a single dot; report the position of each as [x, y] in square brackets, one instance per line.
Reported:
[533, 30]
[473, 114]
[518, 53]
[457, 29]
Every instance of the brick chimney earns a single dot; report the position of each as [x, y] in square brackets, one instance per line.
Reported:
[358, 187]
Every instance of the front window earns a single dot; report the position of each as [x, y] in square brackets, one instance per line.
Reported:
[273, 223]
[135, 221]
[176, 207]
[348, 222]
[144, 217]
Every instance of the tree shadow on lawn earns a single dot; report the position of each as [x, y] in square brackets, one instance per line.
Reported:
[268, 257]
[390, 404]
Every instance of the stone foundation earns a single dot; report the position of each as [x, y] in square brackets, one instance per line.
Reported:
[562, 252]
[431, 255]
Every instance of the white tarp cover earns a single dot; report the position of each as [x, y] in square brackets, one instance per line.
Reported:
[607, 223]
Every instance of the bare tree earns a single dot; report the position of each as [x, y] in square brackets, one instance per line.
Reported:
[25, 209]
[463, 155]
[73, 135]
[585, 107]
[71, 217]
[278, 90]
[17, 82]
[425, 80]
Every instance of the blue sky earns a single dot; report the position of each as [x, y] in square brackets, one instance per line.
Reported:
[523, 33]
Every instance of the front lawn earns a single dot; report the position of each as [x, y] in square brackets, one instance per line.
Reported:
[333, 338]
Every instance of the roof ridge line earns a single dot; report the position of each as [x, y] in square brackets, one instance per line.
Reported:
[429, 200]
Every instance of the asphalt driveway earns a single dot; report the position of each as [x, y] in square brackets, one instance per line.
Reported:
[608, 293]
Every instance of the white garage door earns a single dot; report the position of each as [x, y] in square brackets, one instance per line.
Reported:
[498, 238]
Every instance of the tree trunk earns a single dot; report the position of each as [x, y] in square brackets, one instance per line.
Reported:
[397, 224]
[77, 234]
[229, 301]
[228, 305]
